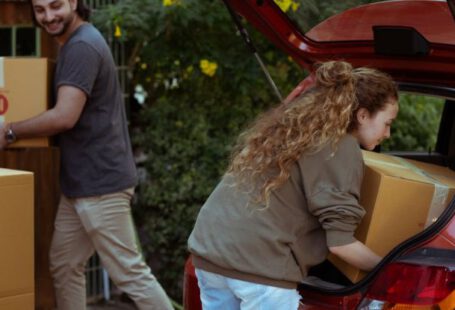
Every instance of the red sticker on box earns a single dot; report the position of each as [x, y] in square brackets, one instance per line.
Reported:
[3, 105]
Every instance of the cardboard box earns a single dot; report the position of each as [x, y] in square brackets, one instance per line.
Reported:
[25, 91]
[18, 302]
[16, 238]
[401, 198]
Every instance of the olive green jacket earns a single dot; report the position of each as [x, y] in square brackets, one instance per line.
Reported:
[317, 207]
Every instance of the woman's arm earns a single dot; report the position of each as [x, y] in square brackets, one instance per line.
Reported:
[357, 254]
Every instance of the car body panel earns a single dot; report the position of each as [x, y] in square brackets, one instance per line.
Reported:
[445, 239]
[191, 299]
[356, 24]
[357, 45]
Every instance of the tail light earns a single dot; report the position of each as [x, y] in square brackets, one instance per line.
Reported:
[191, 300]
[409, 286]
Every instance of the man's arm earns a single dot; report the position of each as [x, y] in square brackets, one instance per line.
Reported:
[70, 103]
[357, 254]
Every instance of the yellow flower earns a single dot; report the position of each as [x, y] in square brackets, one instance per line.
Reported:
[143, 66]
[118, 31]
[207, 67]
[187, 72]
[295, 6]
[285, 5]
[169, 2]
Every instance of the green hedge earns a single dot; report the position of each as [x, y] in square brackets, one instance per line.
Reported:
[416, 126]
[187, 142]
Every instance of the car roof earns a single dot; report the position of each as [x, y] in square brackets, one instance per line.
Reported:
[413, 40]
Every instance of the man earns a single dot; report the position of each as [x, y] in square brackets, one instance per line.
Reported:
[98, 172]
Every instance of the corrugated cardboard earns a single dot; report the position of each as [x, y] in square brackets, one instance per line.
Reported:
[25, 92]
[16, 237]
[401, 197]
[18, 302]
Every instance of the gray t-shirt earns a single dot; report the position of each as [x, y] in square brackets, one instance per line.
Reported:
[96, 154]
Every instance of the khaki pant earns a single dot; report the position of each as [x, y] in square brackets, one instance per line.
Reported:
[101, 223]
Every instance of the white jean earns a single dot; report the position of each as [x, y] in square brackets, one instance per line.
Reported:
[220, 292]
[101, 223]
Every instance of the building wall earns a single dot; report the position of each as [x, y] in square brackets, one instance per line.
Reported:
[12, 13]
[17, 13]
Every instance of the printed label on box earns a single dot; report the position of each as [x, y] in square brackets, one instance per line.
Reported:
[3, 105]
[2, 73]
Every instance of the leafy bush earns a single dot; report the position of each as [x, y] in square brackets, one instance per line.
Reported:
[416, 126]
[187, 140]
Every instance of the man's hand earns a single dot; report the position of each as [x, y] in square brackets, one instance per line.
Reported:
[70, 103]
[3, 142]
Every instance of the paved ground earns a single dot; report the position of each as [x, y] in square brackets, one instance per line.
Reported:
[117, 302]
[112, 305]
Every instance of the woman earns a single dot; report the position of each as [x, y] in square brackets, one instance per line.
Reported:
[291, 193]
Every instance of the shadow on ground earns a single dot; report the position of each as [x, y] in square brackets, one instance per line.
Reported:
[117, 302]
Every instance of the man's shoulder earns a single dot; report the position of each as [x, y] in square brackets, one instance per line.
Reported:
[88, 35]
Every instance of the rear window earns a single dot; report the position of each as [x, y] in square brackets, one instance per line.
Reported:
[416, 127]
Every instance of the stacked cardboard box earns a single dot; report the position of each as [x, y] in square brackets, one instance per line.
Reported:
[401, 198]
[17, 290]
[24, 92]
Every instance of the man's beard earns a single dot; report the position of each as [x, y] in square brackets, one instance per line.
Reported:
[65, 22]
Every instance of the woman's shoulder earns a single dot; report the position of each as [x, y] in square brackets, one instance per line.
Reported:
[348, 143]
[347, 149]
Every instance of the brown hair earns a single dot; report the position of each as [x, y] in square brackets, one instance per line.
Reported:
[82, 10]
[323, 114]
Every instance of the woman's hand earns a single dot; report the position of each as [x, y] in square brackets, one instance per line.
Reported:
[357, 254]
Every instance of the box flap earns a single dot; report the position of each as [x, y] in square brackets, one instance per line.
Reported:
[442, 174]
[396, 167]
[14, 177]
[9, 172]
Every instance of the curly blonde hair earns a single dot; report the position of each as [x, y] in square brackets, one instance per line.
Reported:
[322, 115]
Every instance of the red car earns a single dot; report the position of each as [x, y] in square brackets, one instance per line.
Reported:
[413, 41]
